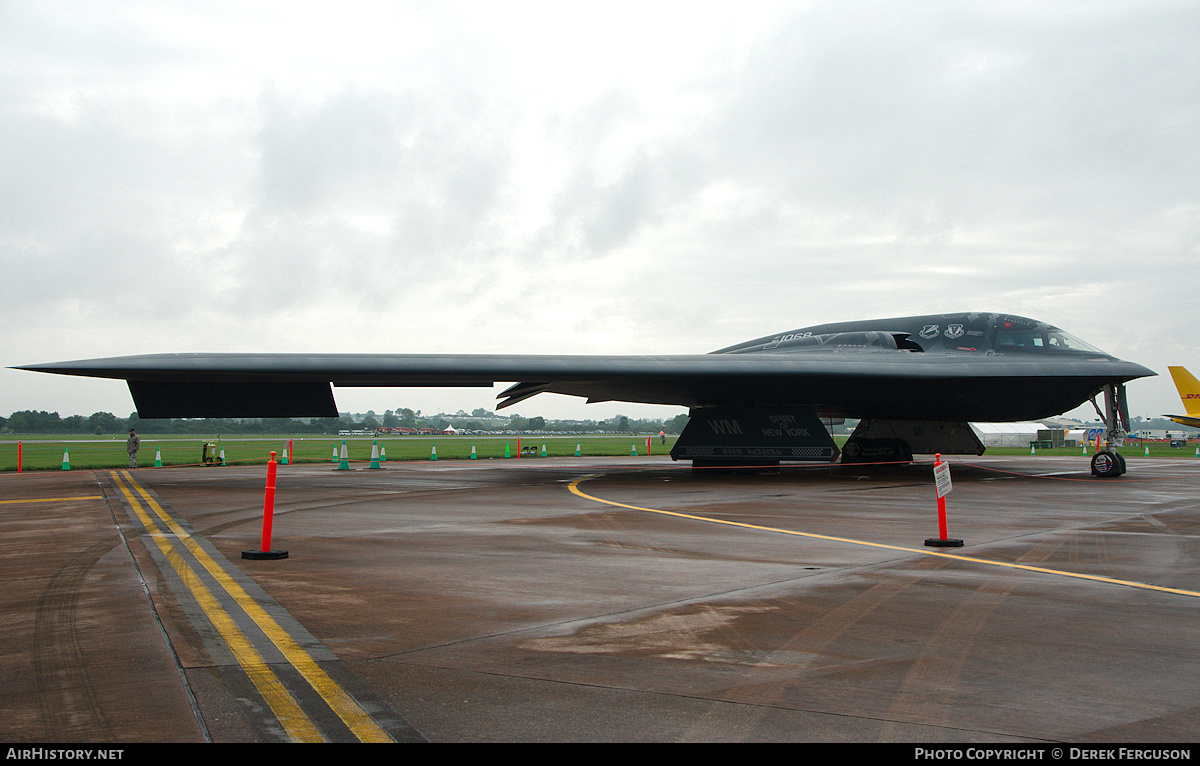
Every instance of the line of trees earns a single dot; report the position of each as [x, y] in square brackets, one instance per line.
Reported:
[99, 423]
[41, 422]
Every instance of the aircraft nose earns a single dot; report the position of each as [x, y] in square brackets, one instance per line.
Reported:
[1138, 371]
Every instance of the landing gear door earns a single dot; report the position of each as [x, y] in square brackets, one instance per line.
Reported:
[734, 434]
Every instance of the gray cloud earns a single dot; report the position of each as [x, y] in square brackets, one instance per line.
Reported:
[452, 178]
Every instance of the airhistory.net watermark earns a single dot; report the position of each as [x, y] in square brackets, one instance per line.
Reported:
[62, 754]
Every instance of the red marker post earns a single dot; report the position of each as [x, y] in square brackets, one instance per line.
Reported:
[268, 516]
[18, 457]
[941, 477]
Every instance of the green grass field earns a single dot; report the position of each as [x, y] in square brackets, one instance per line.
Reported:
[1129, 451]
[39, 453]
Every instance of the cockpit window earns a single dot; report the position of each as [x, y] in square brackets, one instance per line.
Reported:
[1067, 342]
[1050, 340]
[1010, 340]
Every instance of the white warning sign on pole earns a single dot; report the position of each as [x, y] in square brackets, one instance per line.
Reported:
[941, 475]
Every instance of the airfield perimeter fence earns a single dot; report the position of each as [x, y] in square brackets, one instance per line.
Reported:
[39, 453]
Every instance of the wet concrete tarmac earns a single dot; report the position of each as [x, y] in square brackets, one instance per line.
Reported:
[584, 599]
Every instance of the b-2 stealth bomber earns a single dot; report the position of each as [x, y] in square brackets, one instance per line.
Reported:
[913, 382]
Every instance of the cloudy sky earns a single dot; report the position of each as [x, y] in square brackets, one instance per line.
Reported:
[649, 177]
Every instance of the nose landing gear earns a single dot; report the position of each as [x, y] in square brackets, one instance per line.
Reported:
[1108, 463]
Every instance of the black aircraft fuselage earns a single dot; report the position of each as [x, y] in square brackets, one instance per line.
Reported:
[982, 367]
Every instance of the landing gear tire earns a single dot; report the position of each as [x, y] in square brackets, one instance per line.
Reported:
[1107, 464]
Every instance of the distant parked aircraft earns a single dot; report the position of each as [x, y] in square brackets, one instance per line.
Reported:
[1189, 392]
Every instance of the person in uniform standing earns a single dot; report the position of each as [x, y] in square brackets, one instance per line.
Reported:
[131, 447]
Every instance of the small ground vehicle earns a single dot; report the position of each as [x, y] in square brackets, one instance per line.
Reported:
[211, 452]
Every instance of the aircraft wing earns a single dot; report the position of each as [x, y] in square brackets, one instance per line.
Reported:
[867, 383]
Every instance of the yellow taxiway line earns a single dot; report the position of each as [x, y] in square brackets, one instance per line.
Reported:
[574, 487]
[289, 713]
